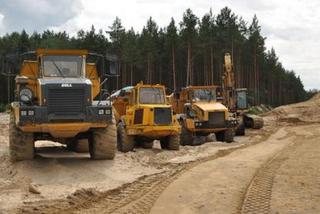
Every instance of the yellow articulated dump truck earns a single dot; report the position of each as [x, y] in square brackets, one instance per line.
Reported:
[200, 114]
[143, 115]
[57, 98]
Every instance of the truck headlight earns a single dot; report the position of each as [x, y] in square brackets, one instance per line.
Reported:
[25, 95]
[101, 111]
[108, 111]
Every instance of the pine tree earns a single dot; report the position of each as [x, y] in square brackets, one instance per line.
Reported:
[189, 33]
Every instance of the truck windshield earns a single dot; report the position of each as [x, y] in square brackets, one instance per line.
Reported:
[62, 66]
[203, 95]
[151, 96]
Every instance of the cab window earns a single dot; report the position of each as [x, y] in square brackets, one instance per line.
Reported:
[62, 66]
[151, 96]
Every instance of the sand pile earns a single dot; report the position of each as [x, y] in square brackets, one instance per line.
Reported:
[307, 111]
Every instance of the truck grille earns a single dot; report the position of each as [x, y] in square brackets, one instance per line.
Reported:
[217, 119]
[65, 101]
[162, 116]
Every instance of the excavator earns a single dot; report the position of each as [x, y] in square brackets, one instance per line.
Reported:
[236, 100]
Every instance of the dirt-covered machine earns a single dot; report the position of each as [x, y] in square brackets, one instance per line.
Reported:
[143, 115]
[57, 98]
[236, 100]
[200, 114]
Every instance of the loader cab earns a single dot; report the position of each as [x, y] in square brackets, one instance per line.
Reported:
[241, 101]
[202, 95]
[151, 95]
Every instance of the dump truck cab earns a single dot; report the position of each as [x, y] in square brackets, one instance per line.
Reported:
[200, 114]
[57, 99]
[144, 115]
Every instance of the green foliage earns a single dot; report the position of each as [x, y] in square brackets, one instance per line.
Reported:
[192, 49]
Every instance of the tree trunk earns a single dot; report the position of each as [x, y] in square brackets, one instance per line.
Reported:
[160, 73]
[174, 68]
[255, 75]
[189, 65]
[205, 70]
[124, 75]
[211, 67]
[148, 69]
[131, 72]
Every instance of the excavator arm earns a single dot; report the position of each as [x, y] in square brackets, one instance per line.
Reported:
[229, 92]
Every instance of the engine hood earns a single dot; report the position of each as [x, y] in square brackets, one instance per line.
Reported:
[209, 107]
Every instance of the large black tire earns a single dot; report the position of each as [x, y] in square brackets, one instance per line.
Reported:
[171, 142]
[102, 144]
[125, 142]
[186, 137]
[225, 136]
[21, 144]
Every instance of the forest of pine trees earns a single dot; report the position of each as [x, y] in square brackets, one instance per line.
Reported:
[188, 52]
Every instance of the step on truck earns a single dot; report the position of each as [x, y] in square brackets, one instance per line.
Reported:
[58, 98]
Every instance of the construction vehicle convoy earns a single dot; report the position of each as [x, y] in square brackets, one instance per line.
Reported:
[200, 114]
[236, 100]
[57, 98]
[143, 114]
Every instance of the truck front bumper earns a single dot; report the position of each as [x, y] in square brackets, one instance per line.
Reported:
[40, 115]
[154, 131]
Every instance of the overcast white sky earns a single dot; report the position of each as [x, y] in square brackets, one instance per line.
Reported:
[291, 26]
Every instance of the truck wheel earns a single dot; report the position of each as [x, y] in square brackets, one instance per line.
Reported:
[125, 142]
[186, 137]
[171, 142]
[226, 136]
[102, 144]
[21, 144]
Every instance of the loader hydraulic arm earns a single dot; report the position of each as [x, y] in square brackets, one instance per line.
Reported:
[228, 83]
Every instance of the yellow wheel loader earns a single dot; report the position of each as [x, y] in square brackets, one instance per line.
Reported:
[143, 115]
[200, 115]
[57, 98]
[236, 100]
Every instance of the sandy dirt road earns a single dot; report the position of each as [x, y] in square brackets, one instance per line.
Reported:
[221, 185]
[70, 183]
[272, 170]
